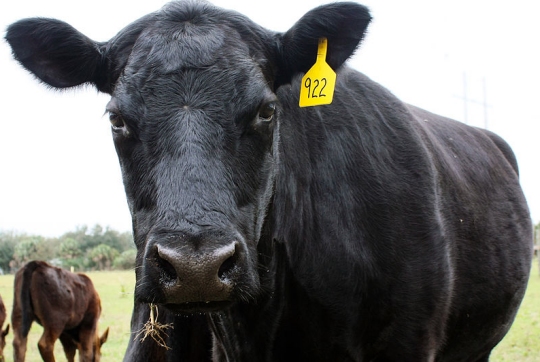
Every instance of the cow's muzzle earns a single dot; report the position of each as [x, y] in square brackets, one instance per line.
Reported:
[193, 278]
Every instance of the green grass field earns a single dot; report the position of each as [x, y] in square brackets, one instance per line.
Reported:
[522, 344]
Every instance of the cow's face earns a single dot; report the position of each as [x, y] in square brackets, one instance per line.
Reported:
[98, 342]
[195, 121]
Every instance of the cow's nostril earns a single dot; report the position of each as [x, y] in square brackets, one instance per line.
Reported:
[167, 269]
[227, 266]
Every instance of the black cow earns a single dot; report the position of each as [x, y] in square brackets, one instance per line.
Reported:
[364, 230]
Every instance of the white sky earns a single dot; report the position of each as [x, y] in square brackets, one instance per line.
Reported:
[58, 167]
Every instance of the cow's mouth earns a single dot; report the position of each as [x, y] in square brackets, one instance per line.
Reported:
[198, 307]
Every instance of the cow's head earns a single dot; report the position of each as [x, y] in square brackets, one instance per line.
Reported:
[195, 120]
[98, 342]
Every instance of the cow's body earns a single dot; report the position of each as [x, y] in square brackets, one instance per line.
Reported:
[3, 332]
[364, 230]
[65, 304]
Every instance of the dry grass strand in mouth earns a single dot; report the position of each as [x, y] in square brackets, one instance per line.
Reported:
[153, 329]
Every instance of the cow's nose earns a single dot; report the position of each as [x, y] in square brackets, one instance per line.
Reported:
[189, 277]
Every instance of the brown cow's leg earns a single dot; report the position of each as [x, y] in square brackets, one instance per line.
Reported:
[86, 346]
[19, 339]
[46, 344]
[19, 347]
[69, 347]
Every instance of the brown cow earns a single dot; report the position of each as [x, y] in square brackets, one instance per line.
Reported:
[4, 332]
[65, 304]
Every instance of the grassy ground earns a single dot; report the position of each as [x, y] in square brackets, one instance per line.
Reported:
[522, 344]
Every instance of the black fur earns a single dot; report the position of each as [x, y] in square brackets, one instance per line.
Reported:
[365, 230]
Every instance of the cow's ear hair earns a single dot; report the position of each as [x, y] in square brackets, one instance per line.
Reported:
[57, 53]
[343, 24]
[5, 331]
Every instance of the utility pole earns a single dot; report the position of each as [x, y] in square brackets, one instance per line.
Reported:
[485, 104]
[467, 100]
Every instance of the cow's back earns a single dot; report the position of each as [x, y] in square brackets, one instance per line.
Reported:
[55, 291]
[416, 216]
[54, 295]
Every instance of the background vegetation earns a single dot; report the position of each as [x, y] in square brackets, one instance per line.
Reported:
[84, 249]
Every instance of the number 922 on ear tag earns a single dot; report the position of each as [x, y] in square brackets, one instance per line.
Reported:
[318, 83]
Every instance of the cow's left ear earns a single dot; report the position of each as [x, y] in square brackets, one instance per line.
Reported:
[104, 337]
[343, 24]
[55, 52]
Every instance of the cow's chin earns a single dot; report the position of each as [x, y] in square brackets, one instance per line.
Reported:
[198, 307]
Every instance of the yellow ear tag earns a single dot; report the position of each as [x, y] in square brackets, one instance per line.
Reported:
[318, 84]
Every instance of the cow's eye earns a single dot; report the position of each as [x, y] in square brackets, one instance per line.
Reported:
[266, 113]
[117, 122]
[118, 125]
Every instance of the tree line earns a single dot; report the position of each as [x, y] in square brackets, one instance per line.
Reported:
[83, 249]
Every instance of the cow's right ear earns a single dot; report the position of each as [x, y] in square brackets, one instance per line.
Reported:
[343, 24]
[57, 53]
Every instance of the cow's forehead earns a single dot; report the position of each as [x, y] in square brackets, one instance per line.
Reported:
[168, 46]
[178, 42]
[186, 35]
[231, 81]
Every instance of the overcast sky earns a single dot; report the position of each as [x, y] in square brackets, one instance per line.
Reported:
[58, 168]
